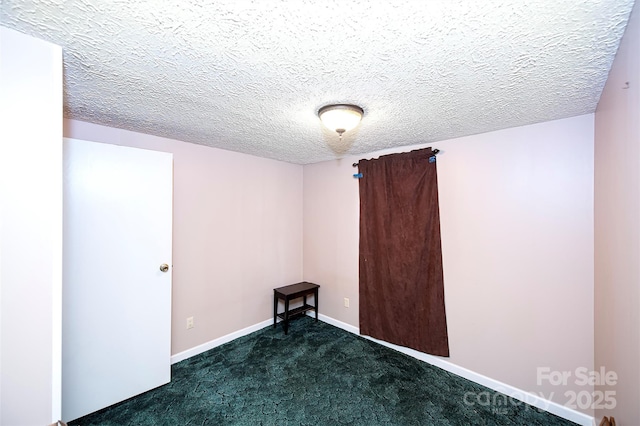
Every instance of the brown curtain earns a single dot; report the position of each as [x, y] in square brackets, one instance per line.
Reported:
[401, 281]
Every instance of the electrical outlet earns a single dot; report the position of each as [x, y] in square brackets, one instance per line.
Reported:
[189, 322]
[346, 302]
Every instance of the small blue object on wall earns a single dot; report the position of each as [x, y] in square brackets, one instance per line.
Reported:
[432, 159]
[358, 176]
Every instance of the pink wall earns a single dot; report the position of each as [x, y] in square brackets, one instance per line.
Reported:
[237, 232]
[617, 227]
[517, 237]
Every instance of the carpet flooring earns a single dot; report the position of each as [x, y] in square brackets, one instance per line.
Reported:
[316, 375]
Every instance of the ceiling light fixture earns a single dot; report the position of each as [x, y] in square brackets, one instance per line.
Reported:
[340, 117]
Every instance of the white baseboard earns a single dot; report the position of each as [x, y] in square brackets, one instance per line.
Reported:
[181, 356]
[511, 391]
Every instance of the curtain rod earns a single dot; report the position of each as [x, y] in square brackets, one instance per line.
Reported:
[434, 151]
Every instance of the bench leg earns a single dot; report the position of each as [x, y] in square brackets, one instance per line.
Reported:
[286, 315]
[315, 297]
[275, 310]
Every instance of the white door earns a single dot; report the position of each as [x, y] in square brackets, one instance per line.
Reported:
[116, 303]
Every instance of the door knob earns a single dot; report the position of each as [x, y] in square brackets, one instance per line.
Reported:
[164, 267]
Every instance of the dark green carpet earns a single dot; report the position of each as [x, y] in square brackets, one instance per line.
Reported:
[317, 375]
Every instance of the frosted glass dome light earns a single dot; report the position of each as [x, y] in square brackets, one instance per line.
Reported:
[340, 117]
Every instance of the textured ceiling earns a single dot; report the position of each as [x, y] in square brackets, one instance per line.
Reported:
[250, 76]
